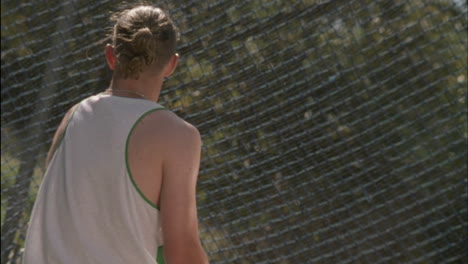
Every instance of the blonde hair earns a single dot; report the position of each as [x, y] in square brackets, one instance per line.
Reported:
[142, 36]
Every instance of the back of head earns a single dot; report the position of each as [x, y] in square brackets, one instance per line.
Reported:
[144, 38]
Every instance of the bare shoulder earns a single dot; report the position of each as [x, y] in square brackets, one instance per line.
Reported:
[167, 126]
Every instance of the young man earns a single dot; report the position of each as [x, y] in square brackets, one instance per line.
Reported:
[122, 170]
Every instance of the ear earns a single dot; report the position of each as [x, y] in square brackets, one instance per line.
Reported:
[171, 65]
[110, 56]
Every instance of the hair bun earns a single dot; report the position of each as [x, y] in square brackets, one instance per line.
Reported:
[143, 40]
[144, 32]
[143, 36]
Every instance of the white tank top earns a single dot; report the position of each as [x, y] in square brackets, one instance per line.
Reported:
[88, 209]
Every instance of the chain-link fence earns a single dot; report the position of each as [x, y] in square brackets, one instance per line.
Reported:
[334, 131]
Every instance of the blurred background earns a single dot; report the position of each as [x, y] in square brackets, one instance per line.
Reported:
[334, 131]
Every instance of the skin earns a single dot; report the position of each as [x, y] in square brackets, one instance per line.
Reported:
[164, 157]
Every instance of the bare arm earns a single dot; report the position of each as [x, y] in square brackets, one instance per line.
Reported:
[58, 134]
[178, 196]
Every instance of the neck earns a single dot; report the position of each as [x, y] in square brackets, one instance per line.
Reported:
[150, 89]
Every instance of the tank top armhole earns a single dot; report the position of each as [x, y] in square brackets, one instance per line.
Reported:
[127, 164]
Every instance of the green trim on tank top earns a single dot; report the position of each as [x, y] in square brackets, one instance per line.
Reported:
[160, 256]
[126, 157]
